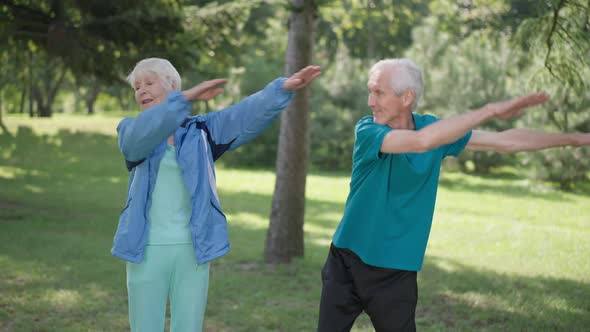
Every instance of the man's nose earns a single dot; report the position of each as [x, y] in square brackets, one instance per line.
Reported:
[371, 101]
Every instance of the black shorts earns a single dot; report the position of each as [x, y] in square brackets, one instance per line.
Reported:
[388, 296]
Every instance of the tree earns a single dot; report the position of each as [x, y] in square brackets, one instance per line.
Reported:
[374, 29]
[102, 40]
[95, 37]
[2, 125]
[284, 240]
[558, 29]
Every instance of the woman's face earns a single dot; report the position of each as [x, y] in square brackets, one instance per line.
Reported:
[149, 91]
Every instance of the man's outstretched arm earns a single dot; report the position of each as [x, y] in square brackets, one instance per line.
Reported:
[517, 140]
[449, 130]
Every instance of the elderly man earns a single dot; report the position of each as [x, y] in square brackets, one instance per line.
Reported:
[379, 245]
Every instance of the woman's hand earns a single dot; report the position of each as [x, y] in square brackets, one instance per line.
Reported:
[205, 90]
[302, 78]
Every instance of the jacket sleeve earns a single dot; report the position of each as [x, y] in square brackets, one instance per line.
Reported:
[139, 136]
[242, 122]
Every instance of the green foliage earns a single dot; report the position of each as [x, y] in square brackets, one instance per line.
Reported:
[374, 29]
[556, 29]
[568, 110]
[261, 63]
[102, 38]
[463, 76]
[567, 167]
[339, 100]
[471, 52]
[561, 38]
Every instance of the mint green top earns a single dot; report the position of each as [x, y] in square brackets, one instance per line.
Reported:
[389, 209]
[170, 211]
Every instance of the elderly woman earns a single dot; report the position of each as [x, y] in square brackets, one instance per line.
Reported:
[172, 225]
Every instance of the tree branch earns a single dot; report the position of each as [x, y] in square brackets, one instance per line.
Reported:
[549, 41]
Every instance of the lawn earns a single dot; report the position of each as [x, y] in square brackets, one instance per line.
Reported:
[505, 254]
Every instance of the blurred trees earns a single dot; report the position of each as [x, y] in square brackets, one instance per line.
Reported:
[471, 51]
[98, 42]
[484, 50]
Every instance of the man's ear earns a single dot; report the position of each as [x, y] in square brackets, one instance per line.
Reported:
[408, 97]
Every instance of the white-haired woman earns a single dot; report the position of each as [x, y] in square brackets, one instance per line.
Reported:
[172, 225]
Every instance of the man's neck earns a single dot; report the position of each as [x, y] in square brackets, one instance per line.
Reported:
[403, 122]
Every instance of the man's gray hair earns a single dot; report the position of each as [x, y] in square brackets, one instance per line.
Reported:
[162, 68]
[408, 76]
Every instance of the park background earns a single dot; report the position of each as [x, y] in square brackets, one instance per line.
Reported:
[509, 245]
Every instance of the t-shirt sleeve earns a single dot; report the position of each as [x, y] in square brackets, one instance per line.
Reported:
[368, 139]
[453, 149]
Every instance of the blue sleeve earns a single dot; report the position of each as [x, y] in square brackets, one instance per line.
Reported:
[369, 137]
[139, 136]
[242, 122]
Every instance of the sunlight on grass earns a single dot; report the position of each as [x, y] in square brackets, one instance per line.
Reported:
[80, 123]
[8, 172]
[475, 299]
[319, 230]
[114, 179]
[7, 150]
[12, 172]
[558, 303]
[505, 253]
[62, 298]
[248, 220]
[259, 182]
[34, 189]
[323, 242]
[328, 189]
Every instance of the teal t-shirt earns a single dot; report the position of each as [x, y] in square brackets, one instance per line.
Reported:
[170, 211]
[389, 209]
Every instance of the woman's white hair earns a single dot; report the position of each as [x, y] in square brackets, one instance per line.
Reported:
[408, 76]
[162, 68]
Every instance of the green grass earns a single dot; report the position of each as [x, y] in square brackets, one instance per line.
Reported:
[504, 254]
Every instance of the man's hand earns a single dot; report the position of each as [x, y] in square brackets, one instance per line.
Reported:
[302, 78]
[582, 139]
[205, 90]
[513, 108]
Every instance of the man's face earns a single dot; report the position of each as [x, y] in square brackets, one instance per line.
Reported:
[149, 91]
[386, 105]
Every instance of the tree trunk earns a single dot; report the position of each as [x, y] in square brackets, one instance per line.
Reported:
[284, 239]
[90, 98]
[45, 94]
[2, 126]
[30, 82]
[23, 95]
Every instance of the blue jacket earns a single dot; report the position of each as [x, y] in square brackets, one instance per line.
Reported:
[199, 141]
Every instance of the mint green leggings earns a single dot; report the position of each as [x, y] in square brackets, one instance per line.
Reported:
[167, 271]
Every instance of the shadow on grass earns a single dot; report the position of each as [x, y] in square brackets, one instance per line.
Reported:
[509, 186]
[82, 168]
[506, 189]
[59, 214]
[461, 296]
